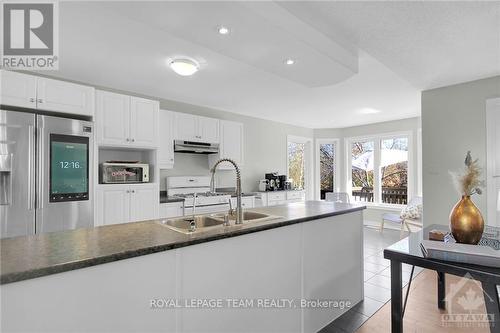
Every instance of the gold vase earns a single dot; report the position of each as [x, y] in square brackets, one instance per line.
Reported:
[466, 222]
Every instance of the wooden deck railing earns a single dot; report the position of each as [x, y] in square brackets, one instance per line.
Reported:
[390, 195]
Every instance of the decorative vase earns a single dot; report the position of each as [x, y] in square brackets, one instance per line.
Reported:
[466, 222]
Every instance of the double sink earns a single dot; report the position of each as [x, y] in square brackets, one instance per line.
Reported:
[199, 223]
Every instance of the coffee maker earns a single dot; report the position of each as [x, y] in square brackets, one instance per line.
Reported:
[275, 181]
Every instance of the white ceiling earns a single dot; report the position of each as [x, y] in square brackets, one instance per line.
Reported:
[349, 57]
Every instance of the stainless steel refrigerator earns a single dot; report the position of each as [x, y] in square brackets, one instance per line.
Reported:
[46, 173]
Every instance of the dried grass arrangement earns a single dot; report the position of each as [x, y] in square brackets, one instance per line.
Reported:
[467, 182]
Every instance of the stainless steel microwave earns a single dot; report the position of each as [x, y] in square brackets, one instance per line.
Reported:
[120, 173]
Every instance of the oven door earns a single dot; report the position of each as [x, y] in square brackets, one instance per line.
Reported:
[207, 209]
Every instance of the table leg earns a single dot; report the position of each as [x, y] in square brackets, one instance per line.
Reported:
[396, 297]
[441, 290]
[490, 293]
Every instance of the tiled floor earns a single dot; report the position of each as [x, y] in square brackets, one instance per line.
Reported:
[377, 281]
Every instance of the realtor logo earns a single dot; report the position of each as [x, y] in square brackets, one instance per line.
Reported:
[465, 303]
[30, 35]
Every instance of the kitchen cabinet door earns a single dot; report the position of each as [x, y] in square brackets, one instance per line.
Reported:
[171, 209]
[186, 127]
[246, 202]
[166, 140]
[66, 97]
[113, 203]
[231, 145]
[208, 129]
[144, 201]
[144, 122]
[17, 89]
[112, 118]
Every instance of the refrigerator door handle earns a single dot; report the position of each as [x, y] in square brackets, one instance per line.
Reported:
[39, 167]
[6, 179]
[31, 172]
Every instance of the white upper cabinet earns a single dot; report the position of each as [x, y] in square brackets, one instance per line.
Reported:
[34, 92]
[208, 129]
[144, 115]
[112, 117]
[231, 145]
[60, 96]
[195, 128]
[127, 121]
[186, 127]
[17, 89]
[166, 140]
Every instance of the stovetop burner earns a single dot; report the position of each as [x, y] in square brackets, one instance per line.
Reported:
[202, 194]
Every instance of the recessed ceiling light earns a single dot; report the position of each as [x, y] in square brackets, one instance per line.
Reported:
[184, 67]
[223, 30]
[369, 111]
[289, 61]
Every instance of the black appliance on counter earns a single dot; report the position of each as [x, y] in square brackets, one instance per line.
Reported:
[276, 182]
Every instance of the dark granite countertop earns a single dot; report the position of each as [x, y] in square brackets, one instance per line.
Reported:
[166, 199]
[34, 256]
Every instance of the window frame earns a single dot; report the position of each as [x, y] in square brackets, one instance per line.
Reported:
[317, 174]
[377, 186]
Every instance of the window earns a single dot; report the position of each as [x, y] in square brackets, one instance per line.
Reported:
[326, 150]
[394, 170]
[296, 164]
[362, 157]
[380, 169]
[299, 164]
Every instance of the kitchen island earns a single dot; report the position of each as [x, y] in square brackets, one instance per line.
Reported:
[258, 276]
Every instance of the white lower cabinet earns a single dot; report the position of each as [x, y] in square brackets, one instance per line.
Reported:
[144, 201]
[171, 209]
[246, 202]
[279, 197]
[126, 203]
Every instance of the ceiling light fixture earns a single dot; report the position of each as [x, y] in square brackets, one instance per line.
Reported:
[223, 30]
[184, 67]
[289, 61]
[369, 111]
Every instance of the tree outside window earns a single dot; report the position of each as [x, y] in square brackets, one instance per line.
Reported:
[296, 164]
[326, 168]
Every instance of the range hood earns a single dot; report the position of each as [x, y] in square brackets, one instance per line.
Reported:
[192, 147]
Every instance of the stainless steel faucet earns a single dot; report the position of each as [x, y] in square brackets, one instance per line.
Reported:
[194, 204]
[239, 210]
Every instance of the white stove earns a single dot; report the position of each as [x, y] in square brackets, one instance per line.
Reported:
[198, 187]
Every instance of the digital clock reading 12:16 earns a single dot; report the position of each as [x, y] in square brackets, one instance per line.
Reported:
[70, 165]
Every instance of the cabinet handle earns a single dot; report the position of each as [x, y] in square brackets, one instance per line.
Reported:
[128, 191]
[133, 140]
[128, 140]
[133, 191]
[40, 100]
[32, 100]
[171, 159]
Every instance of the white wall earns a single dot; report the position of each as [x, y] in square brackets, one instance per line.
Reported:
[453, 121]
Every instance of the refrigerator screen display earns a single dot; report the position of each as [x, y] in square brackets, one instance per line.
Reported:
[69, 169]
